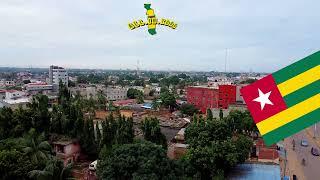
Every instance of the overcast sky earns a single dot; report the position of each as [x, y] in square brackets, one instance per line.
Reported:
[261, 36]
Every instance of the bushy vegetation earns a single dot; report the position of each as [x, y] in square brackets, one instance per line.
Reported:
[215, 145]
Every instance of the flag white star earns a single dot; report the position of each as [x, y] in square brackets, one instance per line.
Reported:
[263, 99]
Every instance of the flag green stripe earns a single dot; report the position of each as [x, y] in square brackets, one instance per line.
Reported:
[302, 94]
[297, 68]
[292, 127]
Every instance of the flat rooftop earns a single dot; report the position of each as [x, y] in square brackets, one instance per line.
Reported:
[16, 101]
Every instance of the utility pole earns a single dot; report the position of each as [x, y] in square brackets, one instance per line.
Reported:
[314, 131]
[225, 61]
[138, 68]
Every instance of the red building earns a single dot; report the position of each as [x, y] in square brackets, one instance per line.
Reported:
[208, 97]
[227, 95]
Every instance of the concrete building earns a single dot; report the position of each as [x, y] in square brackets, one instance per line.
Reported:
[91, 91]
[210, 97]
[5, 83]
[14, 94]
[38, 87]
[115, 93]
[218, 80]
[67, 151]
[14, 99]
[56, 74]
[239, 97]
[227, 95]
[203, 97]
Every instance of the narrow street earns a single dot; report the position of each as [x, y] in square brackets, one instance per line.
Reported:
[294, 164]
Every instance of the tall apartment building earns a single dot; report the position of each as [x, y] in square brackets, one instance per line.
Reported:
[56, 74]
[209, 97]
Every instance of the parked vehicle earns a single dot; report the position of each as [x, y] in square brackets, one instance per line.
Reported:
[315, 151]
[304, 143]
[93, 165]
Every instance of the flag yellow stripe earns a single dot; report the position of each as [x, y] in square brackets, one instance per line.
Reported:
[299, 81]
[289, 115]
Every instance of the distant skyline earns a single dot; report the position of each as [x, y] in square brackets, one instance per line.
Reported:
[260, 36]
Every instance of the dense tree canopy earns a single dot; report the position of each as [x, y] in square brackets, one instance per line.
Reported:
[133, 93]
[168, 100]
[215, 147]
[142, 160]
[188, 109]
[152, 132]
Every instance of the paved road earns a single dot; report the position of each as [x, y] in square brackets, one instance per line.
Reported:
[311, 170]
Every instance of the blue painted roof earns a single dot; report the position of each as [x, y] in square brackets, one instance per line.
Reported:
[254, 172]
[147, 105]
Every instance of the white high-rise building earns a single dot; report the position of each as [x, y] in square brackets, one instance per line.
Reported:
[56, 74]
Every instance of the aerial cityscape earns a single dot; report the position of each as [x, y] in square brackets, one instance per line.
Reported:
[85, 94]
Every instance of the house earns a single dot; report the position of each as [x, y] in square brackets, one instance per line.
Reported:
[14, 99]
[38, 87]
[126, 102]
[115, 93]
[204, 97]
[265, 153]
[68, 151]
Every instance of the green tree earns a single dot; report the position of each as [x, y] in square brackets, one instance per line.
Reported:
[101, 100]
[156, 104]
[134, 93]
[5, 122]
[215, 147]
[98, 134]
[21, 122]
[64, 96]
[154, 80]
[54, 170]
[87, 141]
[14, 164]
[209, 115]
[152, 132]
[188, 109]
[137, 161]
[41, 116]
[168, 100]
[36, 147]
[140, 99]
[56, 120]
[221, 114]
[243, 145]
[124, 130]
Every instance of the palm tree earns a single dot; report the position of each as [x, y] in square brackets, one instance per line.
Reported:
[36, 147]
[54, 170]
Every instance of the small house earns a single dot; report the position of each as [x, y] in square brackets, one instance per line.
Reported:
[67, 151]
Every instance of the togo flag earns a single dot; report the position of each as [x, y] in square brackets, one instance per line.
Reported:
[287, 101]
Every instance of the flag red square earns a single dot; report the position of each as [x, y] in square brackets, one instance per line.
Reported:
[275, 102]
